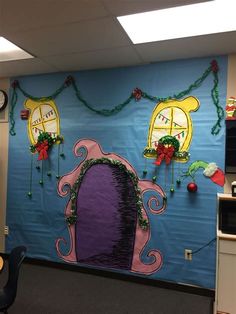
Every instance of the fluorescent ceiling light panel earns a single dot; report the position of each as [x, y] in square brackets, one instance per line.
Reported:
[9, 51]
[178, 22]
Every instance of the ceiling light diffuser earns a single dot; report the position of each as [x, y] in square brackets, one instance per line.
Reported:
[178, 22]
[9, 51]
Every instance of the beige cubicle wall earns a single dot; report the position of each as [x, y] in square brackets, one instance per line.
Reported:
[4, 132]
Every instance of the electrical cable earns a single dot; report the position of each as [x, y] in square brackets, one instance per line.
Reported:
[205, 245]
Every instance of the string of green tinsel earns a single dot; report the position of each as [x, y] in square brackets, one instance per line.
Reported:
[72, 218]
[70, 81]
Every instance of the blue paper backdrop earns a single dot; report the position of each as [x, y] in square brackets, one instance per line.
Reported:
[189, 220]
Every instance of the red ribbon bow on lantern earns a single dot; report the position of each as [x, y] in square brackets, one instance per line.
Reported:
[164, 153]
[42, 149]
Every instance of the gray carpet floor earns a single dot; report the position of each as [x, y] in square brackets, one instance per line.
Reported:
[46, 290]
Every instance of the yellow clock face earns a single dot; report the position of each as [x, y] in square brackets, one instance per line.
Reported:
[172, 118]
[3, 99]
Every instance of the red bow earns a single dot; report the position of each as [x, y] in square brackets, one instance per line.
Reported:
[164, 153]
[214, 66]
[137, 94]
[42, 149]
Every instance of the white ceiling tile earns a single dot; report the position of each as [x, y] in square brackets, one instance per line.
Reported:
[198, 46]
[31, 14]
[25, 67]
[96, 59]
[70, 38]
[68, 35]
[125, 7]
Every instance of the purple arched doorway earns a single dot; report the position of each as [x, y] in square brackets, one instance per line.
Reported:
[107, 216]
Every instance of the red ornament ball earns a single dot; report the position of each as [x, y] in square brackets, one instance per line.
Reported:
[192, 187]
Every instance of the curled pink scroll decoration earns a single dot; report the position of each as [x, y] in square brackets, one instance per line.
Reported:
[86, 149]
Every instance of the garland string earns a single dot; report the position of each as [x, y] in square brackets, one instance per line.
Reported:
[58, 161]
[166, 177]
[220, 111]
[51, 97]
[31, 176]
[14, 98]
[181, 94]
[137, 94]
[172, 176]
[103, 112]
[42, 167]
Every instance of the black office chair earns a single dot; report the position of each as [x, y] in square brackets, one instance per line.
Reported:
[8, 293]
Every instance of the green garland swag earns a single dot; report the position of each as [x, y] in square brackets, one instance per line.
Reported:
[137, 94]
[72, 218]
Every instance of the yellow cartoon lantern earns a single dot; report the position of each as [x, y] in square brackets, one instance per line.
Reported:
[172, 117]
[43, 117]
[43, 133]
